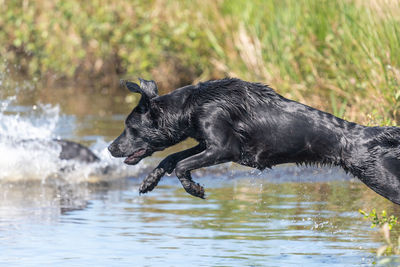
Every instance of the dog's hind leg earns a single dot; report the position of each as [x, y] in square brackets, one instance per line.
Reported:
[167, 165]
[377, 161]
[204, 159]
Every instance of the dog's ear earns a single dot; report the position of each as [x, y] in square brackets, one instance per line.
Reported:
[149, 88]
[133, 87]
[144, 102]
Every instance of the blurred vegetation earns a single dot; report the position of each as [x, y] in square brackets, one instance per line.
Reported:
[381, 220]
[339, 56]
[386, 224]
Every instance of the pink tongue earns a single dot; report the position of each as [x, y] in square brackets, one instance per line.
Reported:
[139, 152]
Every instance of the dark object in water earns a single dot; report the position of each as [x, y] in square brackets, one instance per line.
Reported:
[74, 151]
[250, 124]
[69, 150]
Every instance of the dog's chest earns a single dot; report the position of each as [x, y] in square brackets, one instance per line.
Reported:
[255, 159]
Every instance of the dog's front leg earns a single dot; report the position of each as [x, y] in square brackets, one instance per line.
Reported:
[206, 158]
[167, 165]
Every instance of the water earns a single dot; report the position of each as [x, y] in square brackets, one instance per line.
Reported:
[244, 222]
[287, 216]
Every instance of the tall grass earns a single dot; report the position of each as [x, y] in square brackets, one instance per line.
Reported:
[341, 56]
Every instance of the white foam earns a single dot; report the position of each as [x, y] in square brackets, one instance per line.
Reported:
[28, 153]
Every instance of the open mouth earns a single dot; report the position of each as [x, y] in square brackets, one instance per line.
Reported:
[135, 157]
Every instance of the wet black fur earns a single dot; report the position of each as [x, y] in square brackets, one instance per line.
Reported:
[249, 123]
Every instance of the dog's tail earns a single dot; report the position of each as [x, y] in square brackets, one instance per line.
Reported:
[376, 162]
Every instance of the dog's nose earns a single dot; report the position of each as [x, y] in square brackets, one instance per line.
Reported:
[115, 150]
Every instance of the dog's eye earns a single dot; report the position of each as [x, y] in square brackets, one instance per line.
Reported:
[132, 131]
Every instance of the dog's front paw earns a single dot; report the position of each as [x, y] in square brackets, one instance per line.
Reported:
[151, 181]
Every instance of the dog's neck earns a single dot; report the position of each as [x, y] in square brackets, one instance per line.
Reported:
[174, 123]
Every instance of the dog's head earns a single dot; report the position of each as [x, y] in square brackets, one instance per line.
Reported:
[139, 138]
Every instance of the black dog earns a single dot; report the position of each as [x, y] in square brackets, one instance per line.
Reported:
[249, 123]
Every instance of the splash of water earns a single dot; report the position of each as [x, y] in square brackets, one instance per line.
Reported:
[28, 153]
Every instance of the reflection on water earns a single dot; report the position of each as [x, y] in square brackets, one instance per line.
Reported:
[245, 221]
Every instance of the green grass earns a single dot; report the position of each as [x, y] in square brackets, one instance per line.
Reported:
[340, 56]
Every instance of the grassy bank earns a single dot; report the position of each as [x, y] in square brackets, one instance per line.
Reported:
[340, 56]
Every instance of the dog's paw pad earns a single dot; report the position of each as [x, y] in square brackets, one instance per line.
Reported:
[196, 190]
